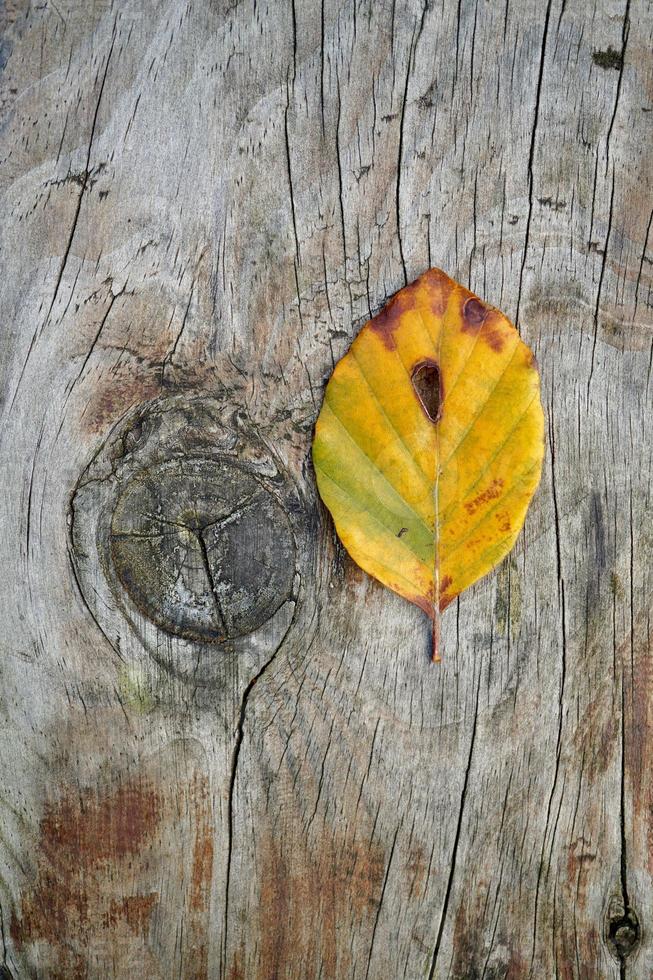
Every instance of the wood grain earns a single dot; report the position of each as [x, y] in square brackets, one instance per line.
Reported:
[205, 200]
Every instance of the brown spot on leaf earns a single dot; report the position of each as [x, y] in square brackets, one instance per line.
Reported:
[503, 520]
[474, 313]
[481, 319]
[445, 597]
[434, 282]
[439, 286]
[446, 600]
[490, 493]
[386, 322]
[424, 603]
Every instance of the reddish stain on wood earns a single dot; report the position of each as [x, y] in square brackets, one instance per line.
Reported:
[416, 870]
[106, 858]
[307, 898]
[86, 838]
[101, 829]
[113, 398]
[201, 874]
[579, 856]
[202, 870]
[596, 737]
[236, 970]
[471, 955]
[135, 910]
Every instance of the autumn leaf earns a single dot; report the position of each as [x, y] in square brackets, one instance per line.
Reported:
[429, 444]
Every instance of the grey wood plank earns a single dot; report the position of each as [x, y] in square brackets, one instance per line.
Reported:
[202, 203]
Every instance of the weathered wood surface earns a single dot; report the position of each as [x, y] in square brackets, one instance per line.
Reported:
[204, 200]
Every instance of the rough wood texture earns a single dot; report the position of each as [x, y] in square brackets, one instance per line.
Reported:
[208, 199]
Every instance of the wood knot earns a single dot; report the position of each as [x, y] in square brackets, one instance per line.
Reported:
[202, 548]
[622, 930]
[183, 537]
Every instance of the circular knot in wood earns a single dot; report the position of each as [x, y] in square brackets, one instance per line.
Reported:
[623, 933]
[202, 548]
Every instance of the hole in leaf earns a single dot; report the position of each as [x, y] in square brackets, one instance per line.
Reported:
[428, 387]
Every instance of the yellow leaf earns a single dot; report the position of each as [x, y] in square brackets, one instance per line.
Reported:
[429, 444]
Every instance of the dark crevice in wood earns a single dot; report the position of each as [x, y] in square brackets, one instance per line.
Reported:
[293, 12]
[604, 259]
[30, 494]
[321, 779]
[85, 175]
[85, 603]
[340, 184]
[380, 905]
[167, 360]
[454, 853]
[400, 153]
[624, 41]
[531, 156]
[199, 535]
[240, 734]
[641, 263]
[563, 672]
[322, 40]
[290, 181]
[623, 929]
